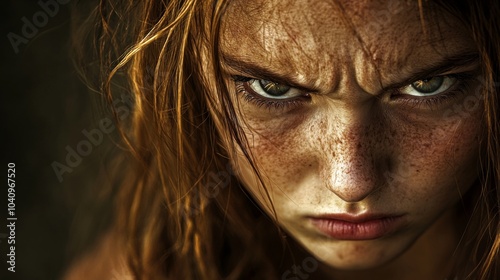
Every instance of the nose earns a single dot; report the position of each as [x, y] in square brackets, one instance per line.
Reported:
[353, 155]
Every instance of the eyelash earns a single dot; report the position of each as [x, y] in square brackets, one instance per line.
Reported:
[262, 102]
[268, 103]
[460, 87]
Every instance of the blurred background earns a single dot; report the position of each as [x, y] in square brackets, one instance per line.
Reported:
[46, 111]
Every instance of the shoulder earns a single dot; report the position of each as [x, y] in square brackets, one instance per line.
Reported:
[105, 261]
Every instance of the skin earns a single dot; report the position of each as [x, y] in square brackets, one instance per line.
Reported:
[354, 147]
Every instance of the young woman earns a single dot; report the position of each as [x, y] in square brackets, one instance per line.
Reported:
[320, 139]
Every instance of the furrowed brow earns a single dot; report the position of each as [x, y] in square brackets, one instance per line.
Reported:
[446, 64]
[252, 70]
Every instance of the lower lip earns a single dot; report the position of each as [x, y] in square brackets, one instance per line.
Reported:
[344, 230]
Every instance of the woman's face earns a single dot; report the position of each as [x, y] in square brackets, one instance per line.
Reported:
[364, 127]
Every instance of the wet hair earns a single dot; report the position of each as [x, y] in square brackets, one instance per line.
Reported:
[180, 211]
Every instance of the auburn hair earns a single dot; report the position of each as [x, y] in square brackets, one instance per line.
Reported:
[180, 211]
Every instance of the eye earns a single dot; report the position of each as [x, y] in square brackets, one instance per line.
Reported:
[269, 94]
[429, 87]
[272, 90]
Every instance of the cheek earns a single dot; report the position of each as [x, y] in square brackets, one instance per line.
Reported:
[283, 153]
[436, 164]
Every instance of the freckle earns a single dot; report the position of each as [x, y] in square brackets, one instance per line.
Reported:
[358, 248]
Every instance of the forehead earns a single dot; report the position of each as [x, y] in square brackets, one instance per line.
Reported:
[326, 37]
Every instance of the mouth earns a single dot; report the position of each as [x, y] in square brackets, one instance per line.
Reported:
[361, 227]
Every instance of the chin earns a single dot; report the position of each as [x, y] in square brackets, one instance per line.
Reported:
[354, 262]
[358, 255]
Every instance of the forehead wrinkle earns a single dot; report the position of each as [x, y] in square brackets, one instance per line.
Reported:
[415, 53]
[323, 54]
[315, 43]
[295, 44]
[401, 45]
[375, 25]
[300, 46]
[386, 50]
[243, 32]
[286, 40]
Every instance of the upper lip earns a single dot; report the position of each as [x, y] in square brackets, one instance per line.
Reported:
[360, 218]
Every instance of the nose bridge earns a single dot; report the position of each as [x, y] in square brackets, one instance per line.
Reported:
[353, 156]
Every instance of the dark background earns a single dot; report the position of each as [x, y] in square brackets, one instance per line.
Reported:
[44, 109]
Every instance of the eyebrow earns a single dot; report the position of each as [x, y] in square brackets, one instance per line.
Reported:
[257, 71]
[444, 65]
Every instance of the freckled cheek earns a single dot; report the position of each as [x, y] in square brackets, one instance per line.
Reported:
[442, 165]
[282, 151]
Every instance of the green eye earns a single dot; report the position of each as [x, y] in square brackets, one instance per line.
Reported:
[269, 89]
[273, 89]
[428, 85]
